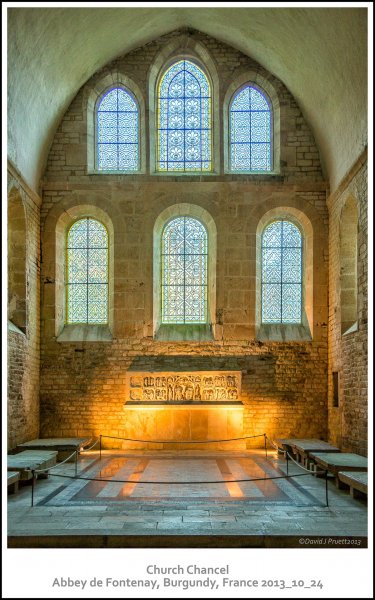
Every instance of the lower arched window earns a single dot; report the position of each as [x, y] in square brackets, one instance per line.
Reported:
[281, 273]
[87, 273]
[184, 271]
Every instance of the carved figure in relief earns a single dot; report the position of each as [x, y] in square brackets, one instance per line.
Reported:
[148, 394]
[170, 392]
[179, 393]
[221, 394]
[149, 382]
[136, 394]
[208, 381]
[220, 381]
[233, 394]
[197, 392]
[231, 381]
[135, 381]
[189, 393]
[161, 394]
[209, 393]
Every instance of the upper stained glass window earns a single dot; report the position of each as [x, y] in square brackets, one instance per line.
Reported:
[250, 127]
[87, 272]
[184, 119]
[281, 273]
[184, 271]
[117, 132]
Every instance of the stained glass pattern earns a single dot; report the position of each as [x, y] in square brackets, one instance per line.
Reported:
[281, 273]
[117, 132]
[87, 272]
[184, 119]
[184, 271]
[250, 132]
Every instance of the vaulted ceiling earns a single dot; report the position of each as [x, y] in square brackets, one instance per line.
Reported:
[320, 54]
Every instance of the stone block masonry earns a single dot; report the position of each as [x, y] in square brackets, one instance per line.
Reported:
[23, 344]
[83, 393]
[348, 350]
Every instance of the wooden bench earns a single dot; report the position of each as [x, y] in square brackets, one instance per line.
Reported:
[334, 462]
[356, 480]
[25, 462]
[303, 449]
[64, 446]
[13, 479]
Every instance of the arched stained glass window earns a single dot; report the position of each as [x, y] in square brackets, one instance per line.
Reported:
[184, 271]
[184, 119]
[250, 127]
[281, 273]
[87, 272]
[117, 132]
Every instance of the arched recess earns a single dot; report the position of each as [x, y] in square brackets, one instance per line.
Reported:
[57, 267]
[94, 95]
[348, 266]
[186, 331]
[280, 331]
[262, 84]
[184, 47]
[17, 305]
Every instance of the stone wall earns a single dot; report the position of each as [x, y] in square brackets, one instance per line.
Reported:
[23, 328]
[83, 389]
[348, 349]
[284, 384]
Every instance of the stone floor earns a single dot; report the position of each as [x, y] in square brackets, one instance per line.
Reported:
[271, 511]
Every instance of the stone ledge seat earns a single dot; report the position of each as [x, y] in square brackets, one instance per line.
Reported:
[13, 479]
[303, 449]
[289, 444]
[64, 446]
[25, 462]
[334, 462]
[357, 482]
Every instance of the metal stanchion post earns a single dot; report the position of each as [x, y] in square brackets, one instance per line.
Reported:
[287, 463]
[100, 446]
[76, 465]
[265, 444]
[326, 488]
[32, 487]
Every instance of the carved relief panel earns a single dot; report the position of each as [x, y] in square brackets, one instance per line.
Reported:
[183, 387]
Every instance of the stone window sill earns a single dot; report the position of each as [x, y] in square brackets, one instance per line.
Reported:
[281, 332]
[85, 333]
[353, 328]
[184, 333]
[13, 327]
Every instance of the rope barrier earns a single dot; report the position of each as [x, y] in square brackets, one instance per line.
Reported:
[274, 445]
[304, 468]
[56, 465]
[216, 482]
[91, 447]
[180, 482]
[246, 437]
[65, 459]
